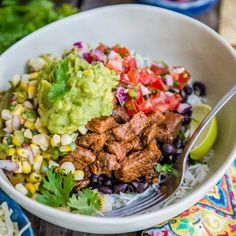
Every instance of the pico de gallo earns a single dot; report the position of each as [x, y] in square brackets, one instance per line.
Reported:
[147, 88]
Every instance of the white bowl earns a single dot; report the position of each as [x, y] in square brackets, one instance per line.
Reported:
[159, 34]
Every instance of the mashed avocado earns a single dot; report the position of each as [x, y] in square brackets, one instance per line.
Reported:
[71, 92]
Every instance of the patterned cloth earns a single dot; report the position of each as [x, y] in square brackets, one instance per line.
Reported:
[214, 215]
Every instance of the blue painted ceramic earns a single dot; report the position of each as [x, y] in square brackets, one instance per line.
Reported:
[17, 215]
[192, 8]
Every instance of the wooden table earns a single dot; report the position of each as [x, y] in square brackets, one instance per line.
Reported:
[43, 228]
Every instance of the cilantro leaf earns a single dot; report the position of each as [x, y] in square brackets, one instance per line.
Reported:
[59, 88]
[56, 190]
[87, 203]
[166, 169]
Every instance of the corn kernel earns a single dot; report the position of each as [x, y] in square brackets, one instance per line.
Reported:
[55, 141]
[15, 158]
[35, 149]
[52, 164]
[28, 104]
[11, 151]
[68, 167]
[26, 167]
[33, 75]
[19, 169]
[78, 175]
[21, 188]
[66, 139]
[23, 152]
[32, 90]
[18, 138]
[22, 120]
[37, 162]
[31, 188]
[65, 148]
[28, 134]
[6, 114]
[35, 177]
[29, 125]
[36, 185]
[18, 109]
[42, 140]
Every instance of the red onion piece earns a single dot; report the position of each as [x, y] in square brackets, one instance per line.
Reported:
[169, 80]
[79, 44]
[99, 55]
[8, 165]
[183, 108]
[112, 55]
[6, 130]
[122, 95]
[16, 122]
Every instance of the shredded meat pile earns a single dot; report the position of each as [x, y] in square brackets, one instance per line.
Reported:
[124, 146]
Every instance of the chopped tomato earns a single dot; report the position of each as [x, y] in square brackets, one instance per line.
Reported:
[139, 97]
[115, 64]
[181, 78]
[146, 106]
[133, 76]
[146, 77]
[131, 107]
[121, 50]
[158, 84]
[164, 103]
[129, 64]
[159, 70]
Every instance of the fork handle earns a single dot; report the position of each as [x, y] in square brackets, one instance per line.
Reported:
[207, 120]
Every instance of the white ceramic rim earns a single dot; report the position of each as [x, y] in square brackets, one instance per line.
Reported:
[192, 197]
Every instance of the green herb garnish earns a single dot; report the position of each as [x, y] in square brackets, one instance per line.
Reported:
[166, 169]
[56, 189]
[87, 203]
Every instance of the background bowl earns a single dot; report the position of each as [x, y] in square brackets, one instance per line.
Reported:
[17, 214]
[160, 34]
[191, 8]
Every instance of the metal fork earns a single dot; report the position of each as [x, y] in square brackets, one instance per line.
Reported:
[171, 184]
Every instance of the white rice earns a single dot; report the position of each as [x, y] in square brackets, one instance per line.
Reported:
[7, 227]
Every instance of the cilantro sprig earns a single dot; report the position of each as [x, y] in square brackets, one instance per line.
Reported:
[56, 191]
[166, 169]
[87, 203]
[59, 88]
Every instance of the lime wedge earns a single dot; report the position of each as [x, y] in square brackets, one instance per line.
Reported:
[208, 136]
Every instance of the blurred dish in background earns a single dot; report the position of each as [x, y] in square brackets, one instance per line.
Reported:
[187, 7]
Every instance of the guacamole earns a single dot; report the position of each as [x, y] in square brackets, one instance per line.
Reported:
[71, 92]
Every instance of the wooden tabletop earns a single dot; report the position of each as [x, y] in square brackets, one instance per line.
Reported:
[43, 228]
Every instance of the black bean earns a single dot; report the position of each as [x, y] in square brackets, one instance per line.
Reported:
[142, 187]
[120, 188]
[173, 159]
[184, 97]
[94, 179]
[100, 178]
[163, 160]
[188, 90]
[199, 88]
[168, 149]
[179, 151]
[131, 188]
[178, 143]
[135, 184]
[105, 189]
[187, 119]
[189, 112]
[108, 182]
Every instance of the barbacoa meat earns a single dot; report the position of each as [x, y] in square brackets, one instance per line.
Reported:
[105, 164]
[93, 140]
[120, 115]
[134, 127]
[139, 164]
[81, 158]
[100, 125]
[120, 149]
[169, 129]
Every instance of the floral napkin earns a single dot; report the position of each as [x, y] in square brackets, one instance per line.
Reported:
[214, 215]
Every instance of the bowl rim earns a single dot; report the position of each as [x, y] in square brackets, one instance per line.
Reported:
[193, 196]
